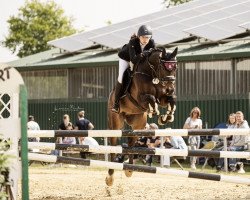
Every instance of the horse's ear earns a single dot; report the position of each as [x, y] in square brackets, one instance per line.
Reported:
[174, 53]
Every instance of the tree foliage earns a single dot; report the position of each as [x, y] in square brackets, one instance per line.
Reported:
[169, 3]
[35, 25]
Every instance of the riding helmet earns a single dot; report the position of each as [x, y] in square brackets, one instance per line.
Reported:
[144, 30]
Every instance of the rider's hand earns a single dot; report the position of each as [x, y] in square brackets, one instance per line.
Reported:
[145, 53]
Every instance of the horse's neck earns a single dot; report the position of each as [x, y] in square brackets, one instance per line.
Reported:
[143, 68]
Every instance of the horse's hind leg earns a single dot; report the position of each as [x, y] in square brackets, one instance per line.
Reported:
[110, 178]
[137, 122]
[131, 142]
[115, 122]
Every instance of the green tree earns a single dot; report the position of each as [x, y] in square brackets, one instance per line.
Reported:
[170, 3]
[35, 25]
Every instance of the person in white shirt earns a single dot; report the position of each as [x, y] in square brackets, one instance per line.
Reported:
[33, 125]
[87, 141]
[193, 122]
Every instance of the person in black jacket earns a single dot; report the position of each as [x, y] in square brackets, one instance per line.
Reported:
[130, 54]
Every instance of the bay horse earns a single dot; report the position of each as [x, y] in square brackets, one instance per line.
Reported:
[152, 85]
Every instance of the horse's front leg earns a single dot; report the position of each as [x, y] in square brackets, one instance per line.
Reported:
[152, 105]
[171, 107]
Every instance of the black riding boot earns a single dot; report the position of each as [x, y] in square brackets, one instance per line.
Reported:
[118, 93]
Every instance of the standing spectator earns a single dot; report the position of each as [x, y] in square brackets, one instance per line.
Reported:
[83, 124]
[65, 123]
[193, 122]
[239, 142]
[33, 125]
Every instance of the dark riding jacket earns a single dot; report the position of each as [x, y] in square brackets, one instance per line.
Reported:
[132, 51]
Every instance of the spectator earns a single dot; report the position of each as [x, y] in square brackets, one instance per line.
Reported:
[239, 142]
[65, 122]
[65, 125]
[193, 122]
[231, 123]
[142, 142]
[174, 142]
[83, 124]
[33, 125]
[69, 140]
[152, 142]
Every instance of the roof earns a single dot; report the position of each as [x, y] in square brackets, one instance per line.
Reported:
[55, 58]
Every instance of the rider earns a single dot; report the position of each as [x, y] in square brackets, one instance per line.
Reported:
[130, 54]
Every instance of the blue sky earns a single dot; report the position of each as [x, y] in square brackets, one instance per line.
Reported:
[87, 14]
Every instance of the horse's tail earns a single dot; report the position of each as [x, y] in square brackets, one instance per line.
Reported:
[109, 106]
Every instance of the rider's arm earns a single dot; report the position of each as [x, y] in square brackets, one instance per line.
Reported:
[132, 53]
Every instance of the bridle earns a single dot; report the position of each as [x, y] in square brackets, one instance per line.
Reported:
[166, 65]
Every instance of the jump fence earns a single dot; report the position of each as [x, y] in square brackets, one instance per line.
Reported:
[137, 133]
[138, 150]
[138, 168]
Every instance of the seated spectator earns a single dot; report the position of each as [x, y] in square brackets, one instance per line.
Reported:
[87, 141]
[65, 125]
[231, 123]
[238, 143]
[69, 140]
[174, 142]
[142, 142]
[152, 142]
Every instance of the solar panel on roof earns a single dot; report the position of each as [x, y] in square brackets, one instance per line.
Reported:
[170, 18]
[221, 29]
[67, 44]
[168, 25]
[176, 28]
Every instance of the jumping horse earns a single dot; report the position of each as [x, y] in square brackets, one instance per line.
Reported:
[152, 84]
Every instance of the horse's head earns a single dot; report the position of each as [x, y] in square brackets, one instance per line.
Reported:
[163, 68]
[164, 61]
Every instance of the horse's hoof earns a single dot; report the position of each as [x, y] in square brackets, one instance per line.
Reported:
[109, 180]
[150, 115]
[170, 118]
[128, 173]
[160, 120]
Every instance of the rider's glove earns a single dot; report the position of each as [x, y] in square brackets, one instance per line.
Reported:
[145, 53]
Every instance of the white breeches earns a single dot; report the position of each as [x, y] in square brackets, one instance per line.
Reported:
[123, 65]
